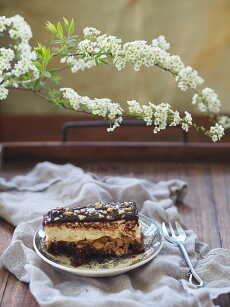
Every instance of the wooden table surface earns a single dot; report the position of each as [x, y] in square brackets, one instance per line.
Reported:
[206, 210]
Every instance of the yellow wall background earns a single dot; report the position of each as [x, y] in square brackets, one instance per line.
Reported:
[199, 32]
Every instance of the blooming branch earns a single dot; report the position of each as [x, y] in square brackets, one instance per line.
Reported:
[21, 66]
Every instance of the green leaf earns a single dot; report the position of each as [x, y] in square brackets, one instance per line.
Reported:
[48, 75]
[38, 65]
[71, 27]
[54, 70]
[60, 31]
[47, 55]
[56, 41]
[51, 27]
[104, 61]
[66, 23]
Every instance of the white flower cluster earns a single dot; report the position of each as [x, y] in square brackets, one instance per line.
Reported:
[137, 53]
[160, 116]
[216, 132]
[6, 56]
[16, 64]
[19, 29]
[161, 42]
[88, 48]
[186, 121]
[24, 63]
[224, 121]
[109, 44]
[188, 78]
[91, 32]
[3, 92]
[99, 107]
[140, 53]
[17, 60]
[4, 23]
[72, 97]
[207, 101]
[77, 64]
[175, 64]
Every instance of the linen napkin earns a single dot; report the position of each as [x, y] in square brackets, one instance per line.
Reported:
[162, 282]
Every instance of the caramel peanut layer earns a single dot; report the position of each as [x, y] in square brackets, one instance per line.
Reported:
[99, 211]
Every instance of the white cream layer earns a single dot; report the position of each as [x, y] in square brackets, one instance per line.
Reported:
[77, 232]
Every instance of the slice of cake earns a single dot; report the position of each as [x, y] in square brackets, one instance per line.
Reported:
[94, 232]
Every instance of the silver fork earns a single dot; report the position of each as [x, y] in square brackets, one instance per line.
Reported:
[178, 236]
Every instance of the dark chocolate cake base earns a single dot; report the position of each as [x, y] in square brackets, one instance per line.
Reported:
[88, 252]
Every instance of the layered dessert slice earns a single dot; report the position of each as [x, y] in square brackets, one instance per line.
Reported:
[94, 232]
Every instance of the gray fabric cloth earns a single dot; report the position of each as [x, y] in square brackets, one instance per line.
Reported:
[162, 282]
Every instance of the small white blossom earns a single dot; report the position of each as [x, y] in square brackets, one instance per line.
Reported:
[86, 47]
[161, 116]
[81, 64]
[139, 53]
[175, 65]
[20, 28]
[72, 97]
[186, 121]
[161, 42]
[188, 78]
[148, 113]
[119, 62]
[216, 132]
[134, 51]
[4, 23]
[176, 120]
[25, 64]
[103, 107]
[109, 43]
[6, 56]
[21, 52]
[90, 31]
[3, 92]
[224, 121]
[162, 58]
[135, 107]
[197, 99]
[25, 49]
[22, 67]
[207, 101]
[78, 63]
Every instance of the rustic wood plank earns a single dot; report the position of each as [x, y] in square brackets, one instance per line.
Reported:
[221, 196]
[6, 233]
[27, 128]
[200, 212]
[8, 283]
[21, 295]
[50, 130]
[115, 151]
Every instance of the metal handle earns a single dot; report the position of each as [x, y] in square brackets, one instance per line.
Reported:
[192, 270]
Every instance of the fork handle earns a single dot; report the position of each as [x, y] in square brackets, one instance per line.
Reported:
[192, 270]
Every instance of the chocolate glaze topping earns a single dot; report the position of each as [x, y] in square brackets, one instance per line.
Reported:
[98, 212]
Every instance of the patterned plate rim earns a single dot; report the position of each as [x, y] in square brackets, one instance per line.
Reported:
[105, 272]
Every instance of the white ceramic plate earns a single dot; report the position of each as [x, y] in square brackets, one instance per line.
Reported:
[110, 267]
